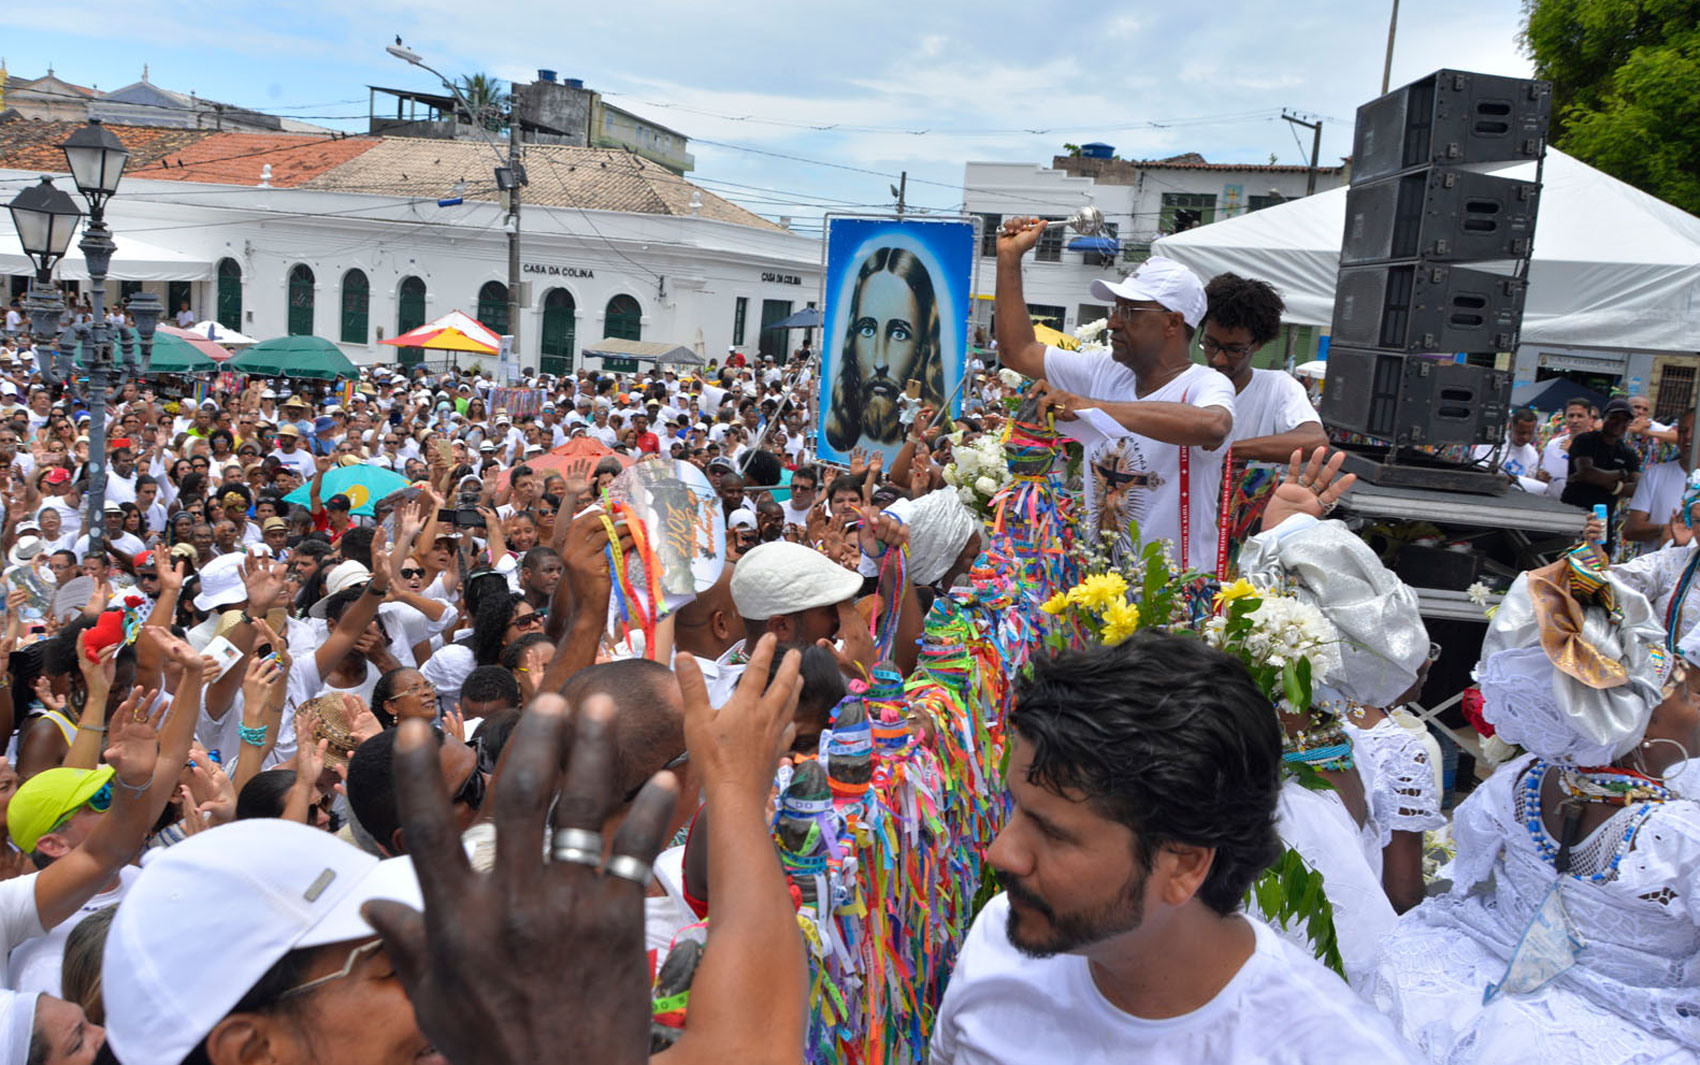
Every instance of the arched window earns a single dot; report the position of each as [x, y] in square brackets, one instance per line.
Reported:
[356, 303]
[301, 301]
[230, 294]
[410, 314]
[493, 307]
[560, 315]
[624, 319]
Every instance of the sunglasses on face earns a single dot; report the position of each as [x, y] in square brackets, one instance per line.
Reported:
[99, 802]
[526, 621]
[412, 571]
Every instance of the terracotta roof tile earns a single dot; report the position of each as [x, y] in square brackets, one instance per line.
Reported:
[238, 158]
[597, 179]
[31, 144]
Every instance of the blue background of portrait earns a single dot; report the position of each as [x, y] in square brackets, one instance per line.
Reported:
[947, 248]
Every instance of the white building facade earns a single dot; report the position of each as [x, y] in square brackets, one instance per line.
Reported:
[358, 268]
[1140, 201]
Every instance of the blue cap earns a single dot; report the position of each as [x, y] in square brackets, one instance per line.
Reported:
[323, 424]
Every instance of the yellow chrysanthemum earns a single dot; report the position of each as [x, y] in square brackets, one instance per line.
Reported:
[1056, 604]
[1098, 591]
[1240, 589]
[1121, 620]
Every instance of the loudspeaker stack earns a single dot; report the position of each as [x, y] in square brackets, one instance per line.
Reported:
[1434, 259]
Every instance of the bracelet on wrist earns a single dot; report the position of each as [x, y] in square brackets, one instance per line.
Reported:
[253, 735]
[138, 790]
[91, 728]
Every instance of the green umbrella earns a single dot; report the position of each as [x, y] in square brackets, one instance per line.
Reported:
[297, 356]
[170, 355]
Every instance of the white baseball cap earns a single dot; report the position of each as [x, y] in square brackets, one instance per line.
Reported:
[742, 518]
[221, 583]
[784, 578]
[1160, 280]
[258, 888]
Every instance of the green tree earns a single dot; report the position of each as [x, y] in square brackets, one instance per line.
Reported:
[489, 103]
[1626, 81]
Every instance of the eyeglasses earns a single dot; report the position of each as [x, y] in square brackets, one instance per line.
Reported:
[1122, 310]
[412, 571]
[364, 950]
[1209, 346]
[425, 689]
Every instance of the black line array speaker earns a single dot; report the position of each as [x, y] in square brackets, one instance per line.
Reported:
[1433, 259]
[1413, 400]
[1423, 307]
[1440, 214]
[1451, 117]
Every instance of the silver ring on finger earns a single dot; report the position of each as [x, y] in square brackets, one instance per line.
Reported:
[627, 867]
[578, 845]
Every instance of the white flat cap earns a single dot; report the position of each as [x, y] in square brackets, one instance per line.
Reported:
[785, 578]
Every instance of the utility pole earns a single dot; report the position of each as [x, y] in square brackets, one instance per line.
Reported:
[514, 302]
[901, 190]
[1315, 147]
[1387, 67]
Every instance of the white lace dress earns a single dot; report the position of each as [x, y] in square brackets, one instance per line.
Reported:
[1400, 786]
[1633, 997]
[1317, 825]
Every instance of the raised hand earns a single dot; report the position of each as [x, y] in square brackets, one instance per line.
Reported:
[514, 965]
[264, 579]
[880, 532]
[170, 577]
[133, 739]
[1311, 487]
[739, 746]
[859, 461]
[1018, 236]
[856, 658]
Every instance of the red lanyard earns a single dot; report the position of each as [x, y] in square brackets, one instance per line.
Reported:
[1222, 515]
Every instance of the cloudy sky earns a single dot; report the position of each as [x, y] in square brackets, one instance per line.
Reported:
[799, 108]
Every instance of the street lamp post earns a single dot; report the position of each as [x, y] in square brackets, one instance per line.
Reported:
[45, 219]
[510, 176]
[96, 158]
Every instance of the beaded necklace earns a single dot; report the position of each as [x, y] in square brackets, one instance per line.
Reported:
[1324, 746]
[1639, 810]
[1610, 785]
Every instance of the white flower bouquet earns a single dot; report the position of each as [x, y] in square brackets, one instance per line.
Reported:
[978, 471]
[1283, 641]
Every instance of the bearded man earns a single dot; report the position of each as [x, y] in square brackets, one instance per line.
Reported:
[892, 339]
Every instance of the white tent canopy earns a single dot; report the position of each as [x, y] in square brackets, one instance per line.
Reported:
[1613, 267]
[135, 260]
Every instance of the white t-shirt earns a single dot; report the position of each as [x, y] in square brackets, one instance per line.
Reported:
[1555, 459]
[1282, 1006]
[794, 516]
[19, 919]
[1273, 403]
[1140, 477]
[1519, 460]
[1659, 492]
[301, 461]
[37, 964]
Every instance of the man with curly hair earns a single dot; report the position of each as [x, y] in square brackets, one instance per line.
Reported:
[1272, 415]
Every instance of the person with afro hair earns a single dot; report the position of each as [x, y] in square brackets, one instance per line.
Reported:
[1272, 415]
